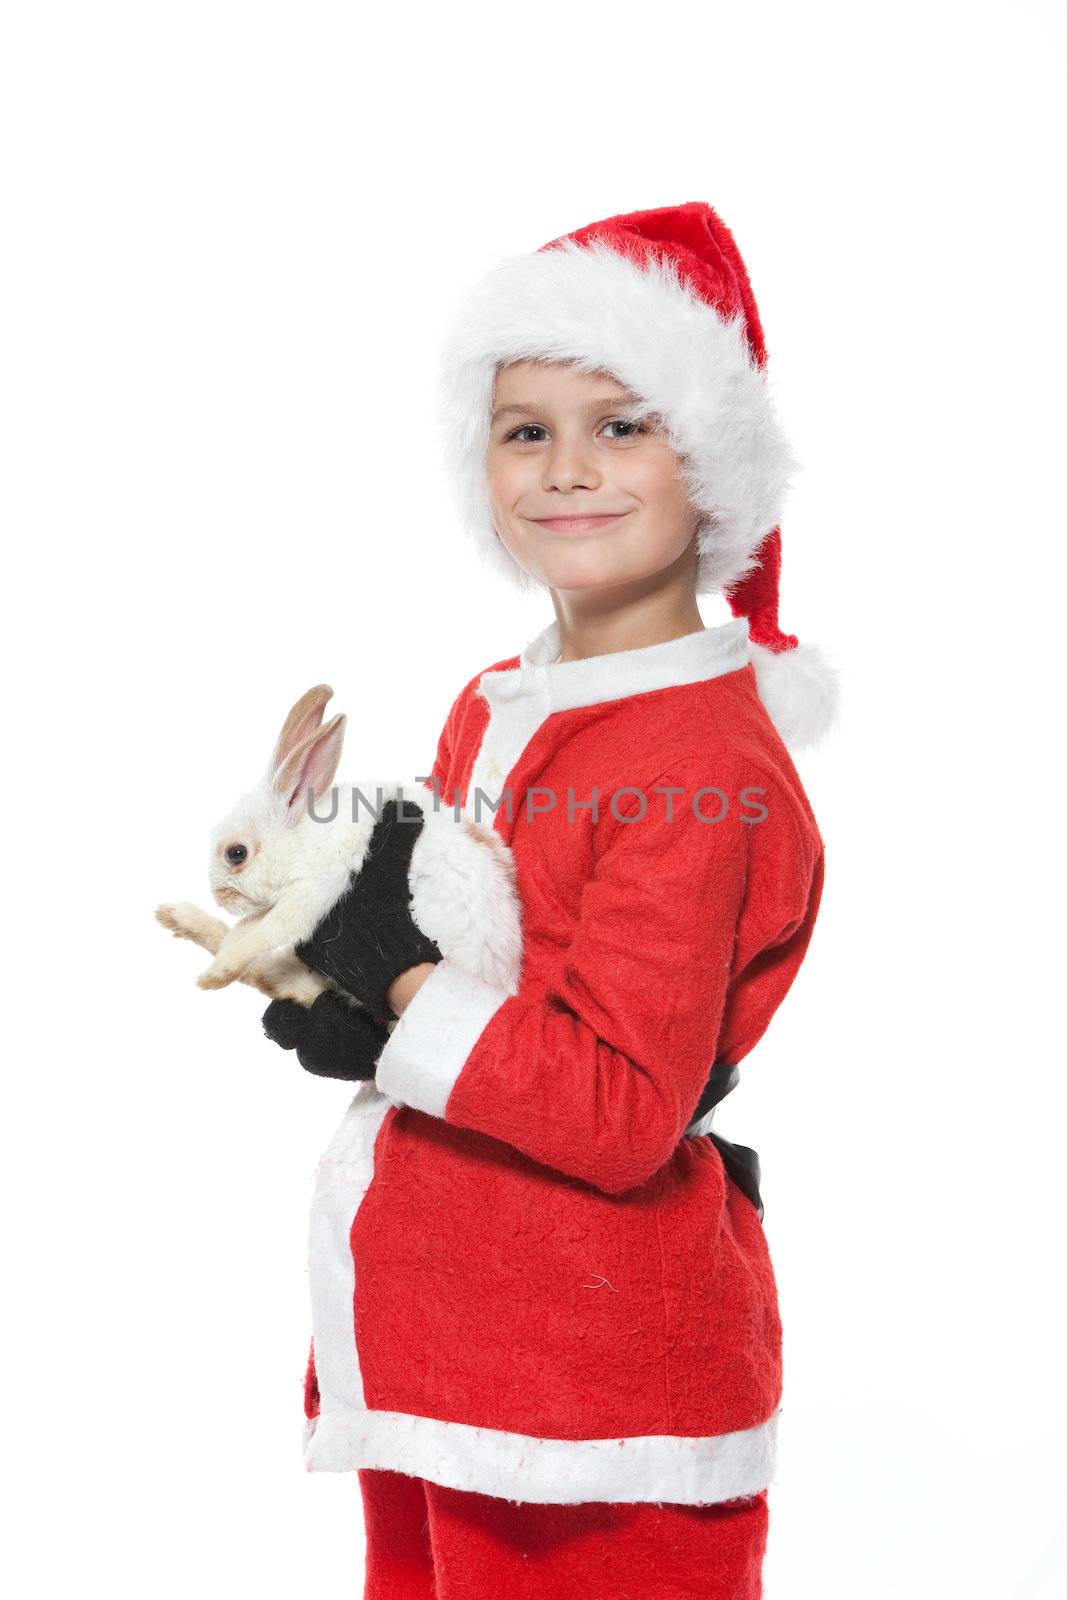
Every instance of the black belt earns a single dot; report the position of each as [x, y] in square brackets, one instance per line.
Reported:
[741, 1163]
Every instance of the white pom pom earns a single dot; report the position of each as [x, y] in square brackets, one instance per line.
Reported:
[800, 690]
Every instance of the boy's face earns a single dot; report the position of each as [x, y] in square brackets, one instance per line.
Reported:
[565, 444]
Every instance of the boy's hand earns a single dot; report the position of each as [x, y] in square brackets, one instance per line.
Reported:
[368, 937]
[332, 1039]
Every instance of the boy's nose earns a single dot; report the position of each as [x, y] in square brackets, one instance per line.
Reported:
[570, 467]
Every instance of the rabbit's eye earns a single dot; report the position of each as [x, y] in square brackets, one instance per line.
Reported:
[236, 853]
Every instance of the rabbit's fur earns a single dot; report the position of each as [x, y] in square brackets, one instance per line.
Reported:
[282, 864]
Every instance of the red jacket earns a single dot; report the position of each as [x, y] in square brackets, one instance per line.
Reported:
[528, 1279]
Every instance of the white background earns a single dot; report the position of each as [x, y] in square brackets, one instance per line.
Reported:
[233, 233]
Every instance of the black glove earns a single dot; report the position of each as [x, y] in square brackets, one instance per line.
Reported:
[331, 1038]
[368, 938]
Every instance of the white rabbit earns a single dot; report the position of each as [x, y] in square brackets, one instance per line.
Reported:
[283, 861]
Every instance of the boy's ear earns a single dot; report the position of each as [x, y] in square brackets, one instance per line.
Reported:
[303, 719]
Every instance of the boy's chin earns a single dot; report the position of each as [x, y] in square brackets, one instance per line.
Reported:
[577, 570]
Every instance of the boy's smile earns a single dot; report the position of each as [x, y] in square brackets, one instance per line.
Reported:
[578, 524]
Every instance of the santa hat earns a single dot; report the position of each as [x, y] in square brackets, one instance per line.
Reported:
[661, 301]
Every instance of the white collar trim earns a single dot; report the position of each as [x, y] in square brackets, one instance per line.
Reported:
[562, 685]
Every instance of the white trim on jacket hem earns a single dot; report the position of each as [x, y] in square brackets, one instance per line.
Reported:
[514, 1466]
[345, 1172]
[425, 1052]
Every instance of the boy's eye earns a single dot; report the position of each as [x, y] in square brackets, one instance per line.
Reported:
[616, 422]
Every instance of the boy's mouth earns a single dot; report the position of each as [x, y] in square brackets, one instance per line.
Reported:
[577, 524]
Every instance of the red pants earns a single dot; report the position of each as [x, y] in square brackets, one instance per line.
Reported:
[425, 1542]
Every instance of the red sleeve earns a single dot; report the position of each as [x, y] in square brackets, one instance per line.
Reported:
[438, 776]
[596, 1069]
[786, 883]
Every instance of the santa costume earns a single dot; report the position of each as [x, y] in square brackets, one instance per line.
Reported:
[542, 1296]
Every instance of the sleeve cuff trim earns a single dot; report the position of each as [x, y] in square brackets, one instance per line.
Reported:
[426, 1051]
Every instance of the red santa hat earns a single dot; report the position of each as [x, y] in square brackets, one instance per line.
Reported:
[660, 300]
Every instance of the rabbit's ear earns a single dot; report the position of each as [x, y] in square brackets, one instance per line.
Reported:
[300, 724]
[311, 765]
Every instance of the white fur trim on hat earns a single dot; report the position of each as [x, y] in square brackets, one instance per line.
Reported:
[602, 311]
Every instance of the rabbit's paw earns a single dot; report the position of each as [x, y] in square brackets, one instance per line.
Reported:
[187, 921]
[234, 955]
[218, 976]
[176, 919]
[226, 968]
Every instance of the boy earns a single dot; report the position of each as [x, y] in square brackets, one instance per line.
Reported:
[563, 1371]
